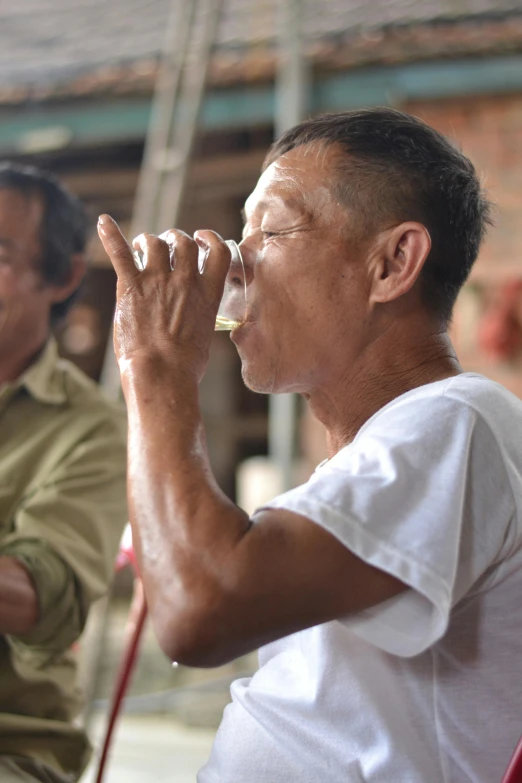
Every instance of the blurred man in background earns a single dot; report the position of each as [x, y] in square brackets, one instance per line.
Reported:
[384, 593]
[62, 482]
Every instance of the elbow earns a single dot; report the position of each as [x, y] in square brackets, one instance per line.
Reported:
[194, 633]
[194, 651]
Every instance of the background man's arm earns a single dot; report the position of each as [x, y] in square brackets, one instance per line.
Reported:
[65, 537]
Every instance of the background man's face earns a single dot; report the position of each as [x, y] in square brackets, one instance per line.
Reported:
[308, 276]
[24, 299]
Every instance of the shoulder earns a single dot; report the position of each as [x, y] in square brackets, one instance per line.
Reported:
[87, 402]
[440, 429]
[467, 399]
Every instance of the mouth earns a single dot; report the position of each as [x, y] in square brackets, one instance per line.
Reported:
[240, 329]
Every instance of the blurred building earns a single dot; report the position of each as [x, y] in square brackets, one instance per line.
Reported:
[75, 86]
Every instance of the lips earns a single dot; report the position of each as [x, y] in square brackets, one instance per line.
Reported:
[241, 330]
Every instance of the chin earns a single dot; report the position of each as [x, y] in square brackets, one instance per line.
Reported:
[256, 368]
[265, 380]
[260, 367]
[256, 381]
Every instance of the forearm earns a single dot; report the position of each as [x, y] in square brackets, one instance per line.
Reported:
[18, 599]
[185, 530]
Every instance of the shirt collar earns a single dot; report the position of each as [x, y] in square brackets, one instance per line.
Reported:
[42, 379]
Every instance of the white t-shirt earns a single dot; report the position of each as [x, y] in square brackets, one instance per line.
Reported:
[425, 687]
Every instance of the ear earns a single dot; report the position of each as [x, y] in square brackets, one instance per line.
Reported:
[59, 293]
[401, 256]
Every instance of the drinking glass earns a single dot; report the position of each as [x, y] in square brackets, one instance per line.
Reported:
[232, 307]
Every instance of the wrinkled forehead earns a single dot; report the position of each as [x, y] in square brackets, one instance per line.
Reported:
[301, 179]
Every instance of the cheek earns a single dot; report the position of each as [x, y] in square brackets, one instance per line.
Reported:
[19, 279]
[8, 288]
[24, 292]
[350, 285]
[306, 288]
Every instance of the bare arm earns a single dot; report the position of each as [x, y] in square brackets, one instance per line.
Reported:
[18, 599]
[217, 585]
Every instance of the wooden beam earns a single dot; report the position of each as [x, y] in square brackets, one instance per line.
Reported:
[241, 166]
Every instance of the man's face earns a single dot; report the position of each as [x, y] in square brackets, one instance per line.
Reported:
[24, 299]
[308, 277]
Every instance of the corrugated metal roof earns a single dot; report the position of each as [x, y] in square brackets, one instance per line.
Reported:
[48, 43]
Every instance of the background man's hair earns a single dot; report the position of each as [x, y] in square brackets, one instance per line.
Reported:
[64, 224]
[392, 168]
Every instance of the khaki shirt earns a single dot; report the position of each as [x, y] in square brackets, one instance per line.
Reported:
[62, 512]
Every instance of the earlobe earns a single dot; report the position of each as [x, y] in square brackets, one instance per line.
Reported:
[403, 254]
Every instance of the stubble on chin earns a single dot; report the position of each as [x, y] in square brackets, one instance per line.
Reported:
[259, 382]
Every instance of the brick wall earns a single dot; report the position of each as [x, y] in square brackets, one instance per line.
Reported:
[488, 130]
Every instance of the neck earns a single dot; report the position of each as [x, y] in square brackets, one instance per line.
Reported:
[398, 360]
[13, 365]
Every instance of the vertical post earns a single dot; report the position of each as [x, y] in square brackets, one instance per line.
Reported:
[291, 108]
[175, 108]
[163, 106]
[293, 70]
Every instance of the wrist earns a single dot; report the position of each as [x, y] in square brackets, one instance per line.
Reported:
[158, 378]
[155, 367]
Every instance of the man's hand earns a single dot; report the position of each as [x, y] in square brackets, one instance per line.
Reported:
[18, 600]
[168, 310]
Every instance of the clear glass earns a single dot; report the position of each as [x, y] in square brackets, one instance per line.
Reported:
[232, 307]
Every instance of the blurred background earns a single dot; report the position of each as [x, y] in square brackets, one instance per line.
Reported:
[86, 87]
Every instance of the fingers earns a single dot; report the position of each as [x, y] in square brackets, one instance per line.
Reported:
[155, 252]
[172, 248]
[117, 248]
[183, 251]
[218, 256]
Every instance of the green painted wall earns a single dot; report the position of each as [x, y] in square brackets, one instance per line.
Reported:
[87, 123]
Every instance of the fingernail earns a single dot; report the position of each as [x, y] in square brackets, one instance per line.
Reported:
[105, 220]
[201, 242]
